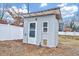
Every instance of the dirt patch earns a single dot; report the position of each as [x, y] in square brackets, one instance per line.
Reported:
[17, 48]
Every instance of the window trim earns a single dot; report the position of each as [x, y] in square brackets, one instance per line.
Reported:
[45, 27]
[29, 29]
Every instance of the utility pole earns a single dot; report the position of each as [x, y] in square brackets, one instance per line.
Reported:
[28, 7]
[29, 15]
[2, 11]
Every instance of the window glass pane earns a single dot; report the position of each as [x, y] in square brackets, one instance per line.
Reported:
[44, 29]
[45, 24]
[32, 30]
[32, 34]
[32, 25]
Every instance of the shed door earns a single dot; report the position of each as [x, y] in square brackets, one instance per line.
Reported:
[32, 32]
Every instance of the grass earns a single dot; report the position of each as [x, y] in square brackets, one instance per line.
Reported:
[70, 40]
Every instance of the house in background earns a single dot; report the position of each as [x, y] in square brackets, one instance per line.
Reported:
[41, 28]
[61, 26]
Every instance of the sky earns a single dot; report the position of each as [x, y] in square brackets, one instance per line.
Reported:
[68, 10]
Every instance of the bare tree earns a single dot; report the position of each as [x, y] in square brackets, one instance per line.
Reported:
[3, 9]
[15, 15]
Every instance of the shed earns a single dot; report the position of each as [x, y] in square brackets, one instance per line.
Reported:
[41, 28]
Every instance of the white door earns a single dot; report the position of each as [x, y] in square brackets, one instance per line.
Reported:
[32, 32]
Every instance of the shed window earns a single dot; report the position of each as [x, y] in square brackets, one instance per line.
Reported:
[45, 26]
[32, 30]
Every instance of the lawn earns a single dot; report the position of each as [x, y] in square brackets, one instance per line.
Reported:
[70, 40]
[67, 47]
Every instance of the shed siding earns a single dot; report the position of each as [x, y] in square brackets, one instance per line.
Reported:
[52, 32]
[56, 30]
[25, 31]
[50, 35]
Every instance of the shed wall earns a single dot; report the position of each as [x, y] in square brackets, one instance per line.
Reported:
[51, 35]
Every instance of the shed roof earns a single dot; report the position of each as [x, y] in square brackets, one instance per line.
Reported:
[54, 11]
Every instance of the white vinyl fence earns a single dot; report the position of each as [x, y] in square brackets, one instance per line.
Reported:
[69, 33]
[9, 32]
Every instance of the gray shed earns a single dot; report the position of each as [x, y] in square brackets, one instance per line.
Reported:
[41, 28]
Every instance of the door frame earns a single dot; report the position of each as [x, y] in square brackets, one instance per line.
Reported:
[35, 38]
